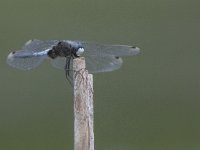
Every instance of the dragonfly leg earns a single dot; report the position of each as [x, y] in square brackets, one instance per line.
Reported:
[68, 70]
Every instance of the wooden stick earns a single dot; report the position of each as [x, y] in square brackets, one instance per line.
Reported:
[83, 106]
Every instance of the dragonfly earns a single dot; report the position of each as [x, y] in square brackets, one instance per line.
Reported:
[99, 57]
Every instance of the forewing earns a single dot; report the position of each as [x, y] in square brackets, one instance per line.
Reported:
[93, 48]
[39, 45]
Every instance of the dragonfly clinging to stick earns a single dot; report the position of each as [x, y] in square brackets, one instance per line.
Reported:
[99, 57]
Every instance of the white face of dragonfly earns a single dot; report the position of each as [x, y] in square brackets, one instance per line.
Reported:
[80, 51]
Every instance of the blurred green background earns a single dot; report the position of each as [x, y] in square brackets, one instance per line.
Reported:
[151, 103]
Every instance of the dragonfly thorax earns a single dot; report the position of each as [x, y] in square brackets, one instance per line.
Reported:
[65, 49]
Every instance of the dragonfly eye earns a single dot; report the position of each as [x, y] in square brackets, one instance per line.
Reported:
[79, 51]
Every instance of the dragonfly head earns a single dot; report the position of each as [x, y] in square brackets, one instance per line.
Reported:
[79, 51]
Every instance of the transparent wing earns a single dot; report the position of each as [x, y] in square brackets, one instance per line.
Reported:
[94, 64]
[39, 45]
[32, 54]
[59, 62]
[93, 48]
[103, 63]
[64, 63]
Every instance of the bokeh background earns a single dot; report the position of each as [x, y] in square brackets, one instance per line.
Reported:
[151, 103]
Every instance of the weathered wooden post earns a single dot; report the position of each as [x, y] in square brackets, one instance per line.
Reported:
[83, 106]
